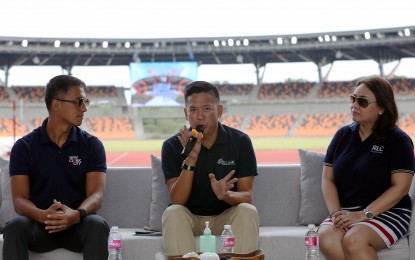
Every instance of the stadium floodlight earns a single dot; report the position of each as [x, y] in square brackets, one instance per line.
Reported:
[25, 43]
[230, 42]
[57, 44]
[77, 44]
[216, 43]
[223, 43]
[156, 44]
[94, 45]
[334, 38]
[280, 41]
[104, 44]
[245, 42]
[327, 38]
[379, 35]
[407, 32]
[320, 39]
[367, 35]
[294, 40]
[127, 45]
[194, 44]
[238, 42]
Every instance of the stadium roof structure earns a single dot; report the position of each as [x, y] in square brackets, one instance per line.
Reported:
[382, 45]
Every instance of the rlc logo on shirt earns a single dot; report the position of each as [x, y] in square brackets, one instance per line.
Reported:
[223, 162]
[377, 149]
[74, 160]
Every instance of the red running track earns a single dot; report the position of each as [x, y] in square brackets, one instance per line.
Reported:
[123, 159]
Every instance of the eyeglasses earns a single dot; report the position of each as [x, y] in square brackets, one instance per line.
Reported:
[79, 102]
[362, 102]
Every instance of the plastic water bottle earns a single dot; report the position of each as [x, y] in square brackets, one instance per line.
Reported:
[114, 244]
[311, 244]
[227, 240]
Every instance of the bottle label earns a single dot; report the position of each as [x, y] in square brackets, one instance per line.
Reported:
[228, 242]
[115, 244]
[311, 241]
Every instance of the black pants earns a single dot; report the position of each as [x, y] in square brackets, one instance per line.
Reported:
[22, 234]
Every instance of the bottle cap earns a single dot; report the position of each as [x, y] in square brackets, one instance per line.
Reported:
[227, 226]
[311, 226]
[114, 228]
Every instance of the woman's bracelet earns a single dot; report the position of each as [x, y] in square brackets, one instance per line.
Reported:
[334, 211]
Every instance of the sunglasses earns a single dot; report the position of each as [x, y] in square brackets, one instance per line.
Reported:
[79, 102]
[362, 102]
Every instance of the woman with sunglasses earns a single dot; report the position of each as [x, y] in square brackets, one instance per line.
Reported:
[367, 174]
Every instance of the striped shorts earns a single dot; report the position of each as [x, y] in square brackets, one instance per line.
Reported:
[391, 225]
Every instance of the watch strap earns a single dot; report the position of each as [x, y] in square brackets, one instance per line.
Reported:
[82, 214]
[188, 167]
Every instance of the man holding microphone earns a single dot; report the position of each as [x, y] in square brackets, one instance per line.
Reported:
[209, 171]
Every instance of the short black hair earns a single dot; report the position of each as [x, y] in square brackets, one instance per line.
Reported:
[59, 86]
[201, 87]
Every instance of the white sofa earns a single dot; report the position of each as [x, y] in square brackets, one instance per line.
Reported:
[287, 197]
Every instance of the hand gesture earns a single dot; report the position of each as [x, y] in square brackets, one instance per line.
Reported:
[184, 138]
[59, 217]
[221, 187]
[343, 219]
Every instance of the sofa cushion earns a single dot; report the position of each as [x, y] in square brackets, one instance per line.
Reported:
[313, 209]
[6, 210]
[159, 195]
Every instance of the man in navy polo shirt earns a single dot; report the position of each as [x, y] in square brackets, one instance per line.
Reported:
[57, 181]
[214, 182]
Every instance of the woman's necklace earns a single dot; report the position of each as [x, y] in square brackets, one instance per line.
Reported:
[363, 136]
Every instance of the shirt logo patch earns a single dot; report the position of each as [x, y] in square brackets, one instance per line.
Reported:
[377, 149]
[223, 162]
[74, 160]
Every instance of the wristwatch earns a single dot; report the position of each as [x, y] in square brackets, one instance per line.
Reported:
[188, 167]
[368, 214]
[82, 214]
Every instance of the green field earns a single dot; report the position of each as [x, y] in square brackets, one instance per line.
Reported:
[275, 143]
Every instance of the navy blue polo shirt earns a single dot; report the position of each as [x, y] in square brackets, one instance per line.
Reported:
[57, 173]
[362, 170]
[232, 150]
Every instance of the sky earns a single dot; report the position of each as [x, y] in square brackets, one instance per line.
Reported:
[137, 19]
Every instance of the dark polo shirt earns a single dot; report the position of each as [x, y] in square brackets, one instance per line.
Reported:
[232, 150]
[57, 173]
[362, 170]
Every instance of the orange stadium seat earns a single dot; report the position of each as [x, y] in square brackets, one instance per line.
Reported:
[270, 125]
[408, 124]
[288, 90]
[111, 128]
[235, 89]
[232, 121]
[321, 124]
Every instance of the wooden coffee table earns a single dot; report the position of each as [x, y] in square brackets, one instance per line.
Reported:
[256, 255]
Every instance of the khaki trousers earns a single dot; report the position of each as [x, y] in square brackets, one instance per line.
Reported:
[180, 226]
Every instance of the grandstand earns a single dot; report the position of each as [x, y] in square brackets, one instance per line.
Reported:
[293, 108]
[284, 113]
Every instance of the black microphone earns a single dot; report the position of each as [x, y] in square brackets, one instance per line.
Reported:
[191, 143]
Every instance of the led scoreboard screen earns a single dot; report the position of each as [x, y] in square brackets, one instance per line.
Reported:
[160, 83]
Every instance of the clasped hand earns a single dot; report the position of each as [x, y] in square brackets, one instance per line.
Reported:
[344, 219]
[59, 217]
